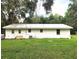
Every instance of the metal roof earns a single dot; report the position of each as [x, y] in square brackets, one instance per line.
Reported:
[37, 26]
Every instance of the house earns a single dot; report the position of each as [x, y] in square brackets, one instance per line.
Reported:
[37, 31]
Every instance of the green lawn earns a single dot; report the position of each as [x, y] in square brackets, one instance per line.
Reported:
[39, 49]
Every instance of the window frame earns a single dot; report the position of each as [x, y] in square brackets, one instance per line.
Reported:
[58, 31]
[19, 31]
[12, 31]
[29, 30]
[41, 30]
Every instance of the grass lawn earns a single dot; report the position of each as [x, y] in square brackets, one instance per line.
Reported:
[39, 49]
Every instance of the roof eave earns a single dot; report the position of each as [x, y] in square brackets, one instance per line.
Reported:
[37, 28]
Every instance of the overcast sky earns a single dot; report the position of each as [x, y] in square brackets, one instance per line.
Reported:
[59, 7]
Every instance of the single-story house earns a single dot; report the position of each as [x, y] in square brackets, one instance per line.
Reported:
[37, 31]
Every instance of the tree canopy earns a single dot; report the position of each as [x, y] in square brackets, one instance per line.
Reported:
[71, 14]
[14, 8]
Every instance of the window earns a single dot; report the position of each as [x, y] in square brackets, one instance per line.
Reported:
[19, 31]
[29, 30]
[58, 31]
[12, 31]
[41, 30]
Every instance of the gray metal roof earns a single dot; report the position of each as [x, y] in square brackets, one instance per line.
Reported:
[37, 26]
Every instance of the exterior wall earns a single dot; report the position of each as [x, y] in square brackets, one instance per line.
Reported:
[9, 34]
[44, 34]
[47, 33]
[65, 33]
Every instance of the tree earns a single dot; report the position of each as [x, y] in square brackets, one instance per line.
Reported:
[15, 8]
[9, 7]
[3, 21]
[55, 18]
[47, 5]
[44, 20]
[30, 6]
[36, 20]
[71, 15]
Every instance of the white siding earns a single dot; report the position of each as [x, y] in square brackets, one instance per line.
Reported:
[16, 33]
[47, 33]
[65, 33]
[8, 34]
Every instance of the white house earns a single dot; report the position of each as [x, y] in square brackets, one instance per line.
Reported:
[37, 31]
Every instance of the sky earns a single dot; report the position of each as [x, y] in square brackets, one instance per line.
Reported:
[59, 7]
